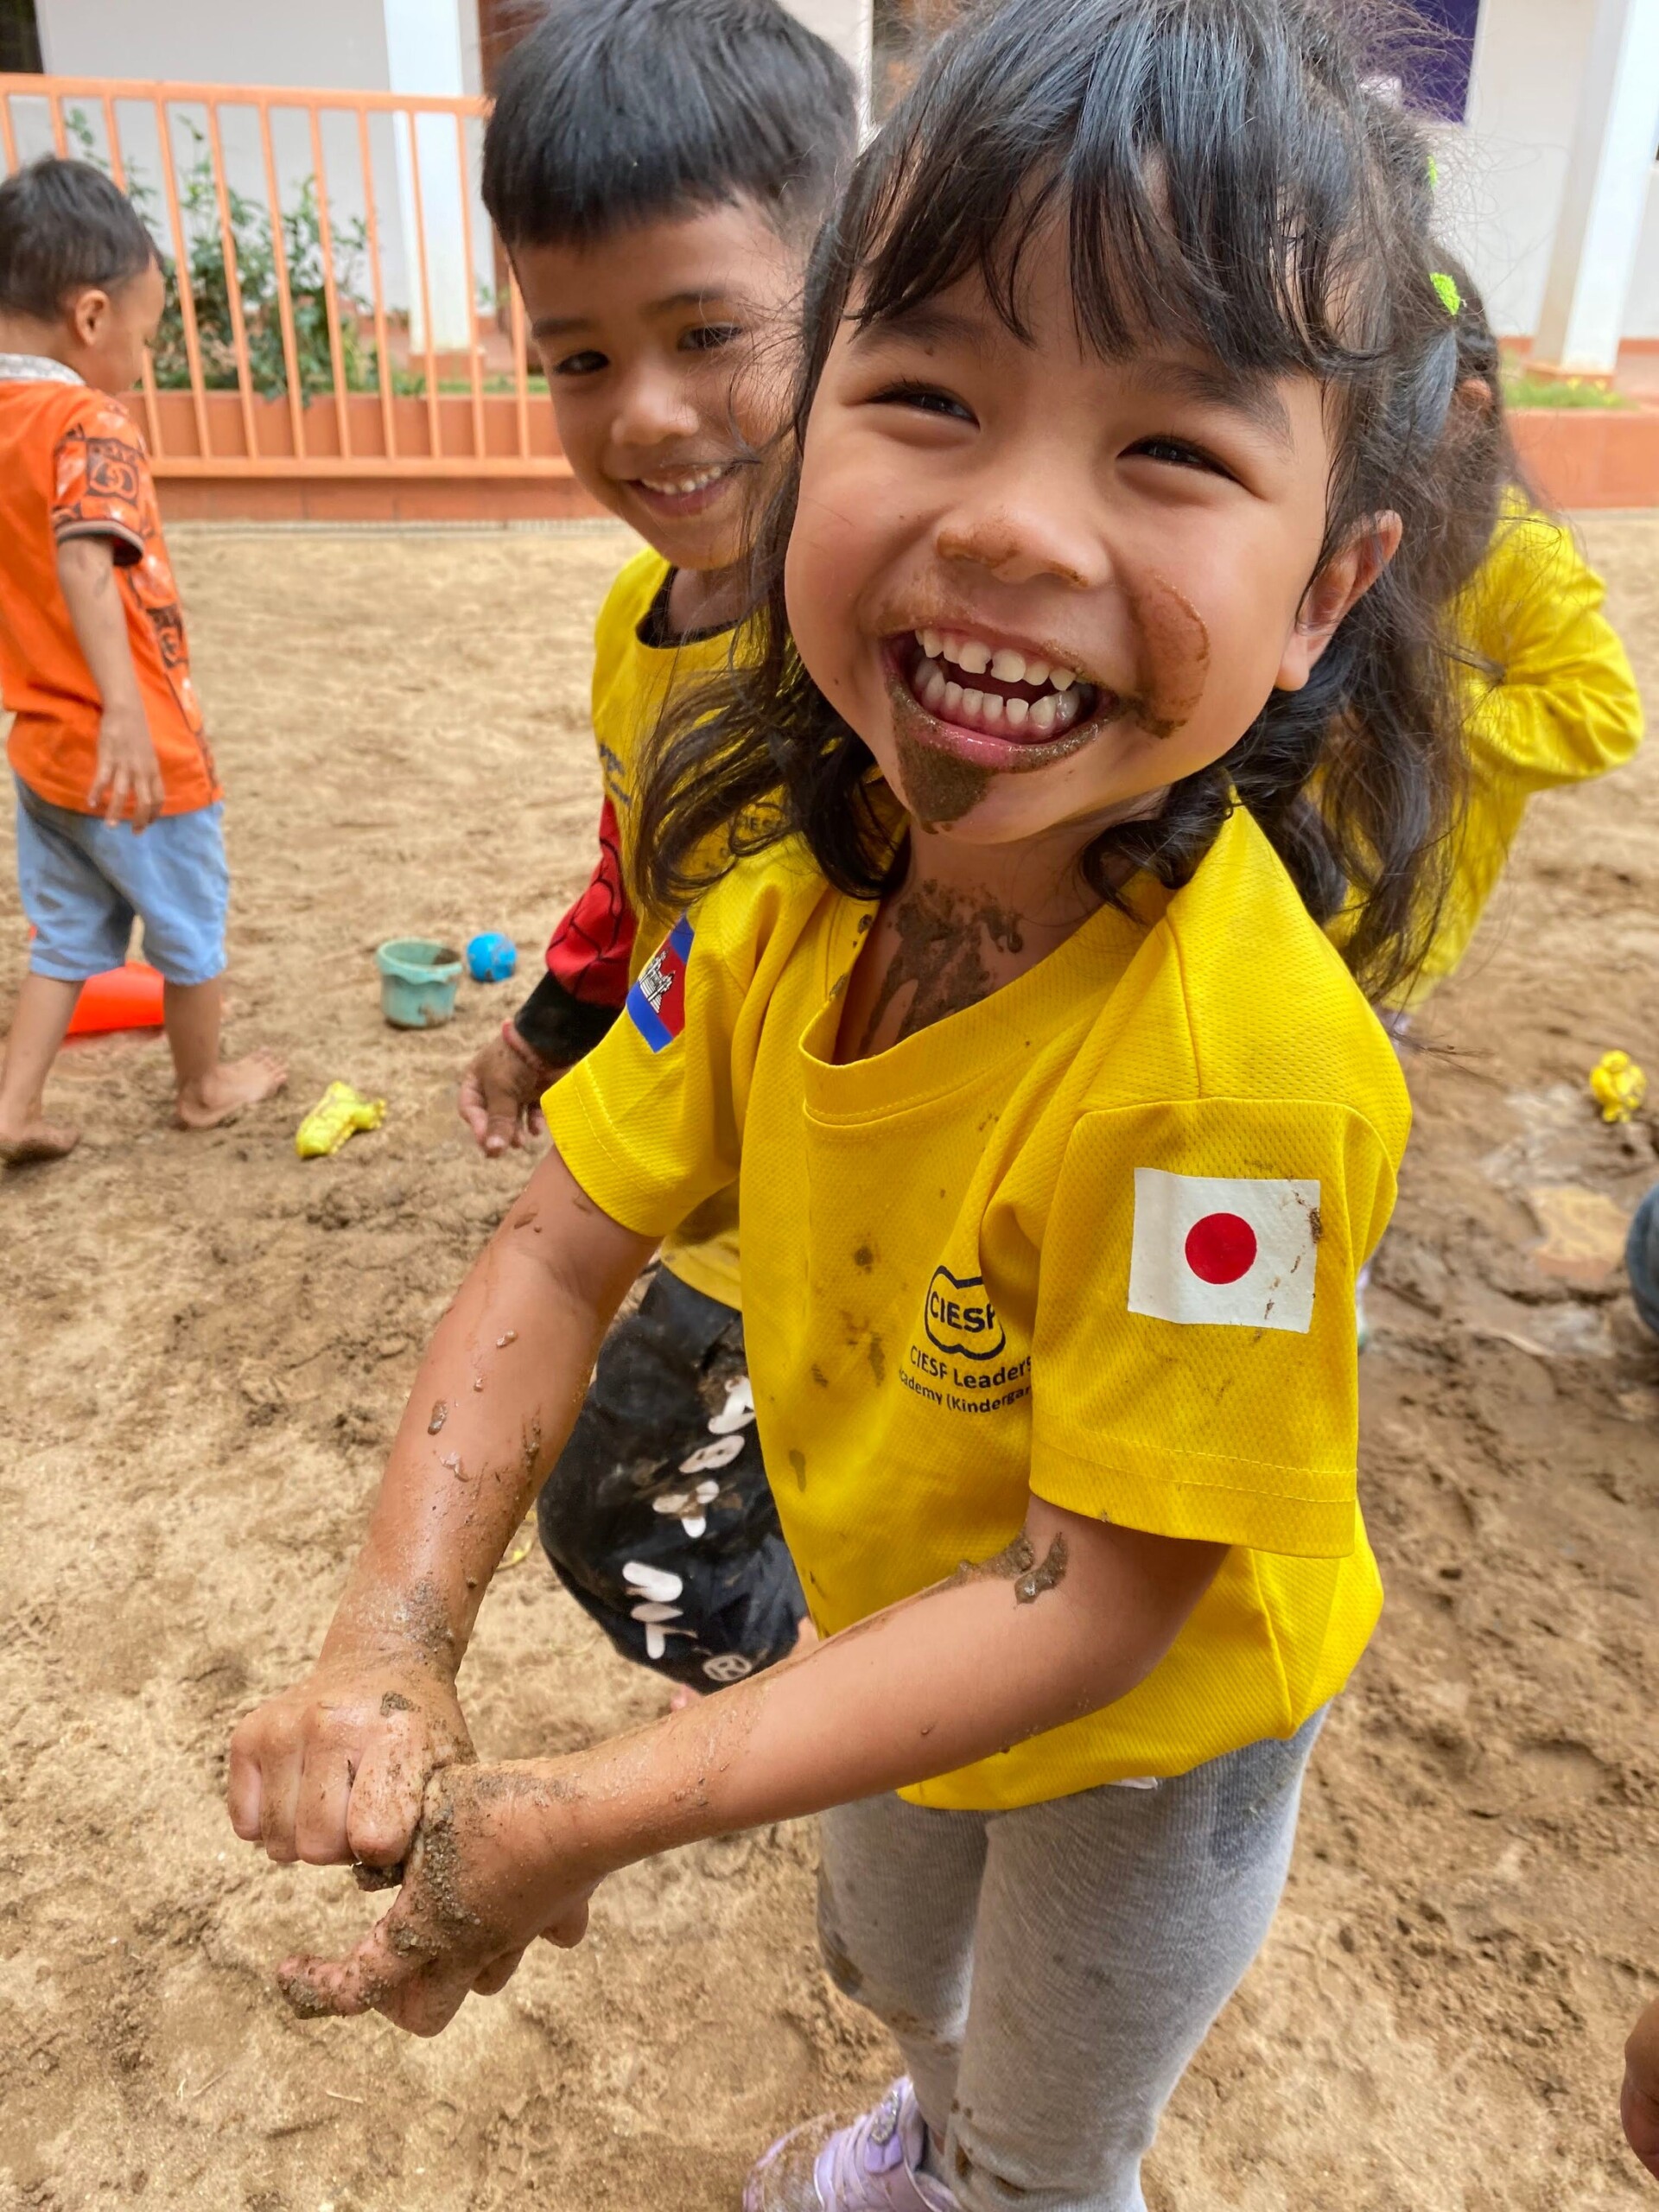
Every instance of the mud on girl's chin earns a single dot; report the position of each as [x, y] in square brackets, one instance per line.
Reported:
[997, 791]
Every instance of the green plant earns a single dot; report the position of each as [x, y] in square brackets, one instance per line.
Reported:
[1521, 390]
[252, 238]
[257, 288]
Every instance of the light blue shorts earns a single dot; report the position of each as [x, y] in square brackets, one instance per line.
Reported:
[84, 881]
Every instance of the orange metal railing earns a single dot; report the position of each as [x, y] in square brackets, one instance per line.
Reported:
[351, 380]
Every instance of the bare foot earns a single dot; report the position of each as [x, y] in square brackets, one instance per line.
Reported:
[682, 1697]
[231, 1085]
[36, 1139]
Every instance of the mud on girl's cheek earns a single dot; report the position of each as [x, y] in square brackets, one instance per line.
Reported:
[1175, 649]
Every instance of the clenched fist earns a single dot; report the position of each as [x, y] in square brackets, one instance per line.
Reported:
[335, 1768]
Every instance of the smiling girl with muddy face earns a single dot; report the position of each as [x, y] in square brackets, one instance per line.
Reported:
[1112, 507]
[1061, 1128]
[1043, 586]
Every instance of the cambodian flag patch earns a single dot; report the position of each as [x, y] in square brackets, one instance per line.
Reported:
[1241, 1251]
[657, 1002]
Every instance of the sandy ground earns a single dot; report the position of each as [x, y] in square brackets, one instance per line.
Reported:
[206, 1346]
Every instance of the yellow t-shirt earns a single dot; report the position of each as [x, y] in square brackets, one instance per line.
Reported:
[1095, 1237]
[632, 680]
[1555, 703]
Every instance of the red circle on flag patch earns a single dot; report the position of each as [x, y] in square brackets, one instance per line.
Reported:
[1220, 1248]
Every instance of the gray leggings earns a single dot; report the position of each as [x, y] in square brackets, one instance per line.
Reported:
[1048, 1973]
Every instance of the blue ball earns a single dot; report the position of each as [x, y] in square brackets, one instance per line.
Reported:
[491, 958]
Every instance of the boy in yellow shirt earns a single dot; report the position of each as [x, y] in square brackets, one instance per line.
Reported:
[657, 169]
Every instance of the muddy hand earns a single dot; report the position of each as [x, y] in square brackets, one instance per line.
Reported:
[499, 1098]
[475, 1894]
[1639, 2104]
[335, 1769]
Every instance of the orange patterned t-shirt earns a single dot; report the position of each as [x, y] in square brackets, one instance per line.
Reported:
[72, 464]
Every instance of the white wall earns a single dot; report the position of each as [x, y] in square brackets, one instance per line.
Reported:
[846, 25]
[412, 46]
[1502, 174]
[425, 55]
[338, 45]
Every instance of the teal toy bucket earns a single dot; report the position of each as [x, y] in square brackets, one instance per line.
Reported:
[418, 977]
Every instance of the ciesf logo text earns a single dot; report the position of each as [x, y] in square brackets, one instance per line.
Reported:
[961, 1319]
[972, 1378]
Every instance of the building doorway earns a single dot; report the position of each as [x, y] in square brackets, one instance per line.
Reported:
[20, 39]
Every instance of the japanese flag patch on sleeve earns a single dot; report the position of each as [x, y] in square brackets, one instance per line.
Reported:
[1240, 1251]
[657, 1002]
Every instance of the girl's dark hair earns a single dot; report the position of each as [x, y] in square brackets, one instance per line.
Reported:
[63, 228]
[1230, 175]
[613, 112]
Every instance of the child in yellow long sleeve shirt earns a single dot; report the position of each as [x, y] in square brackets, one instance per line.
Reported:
[1552, 701]
[1550, 696]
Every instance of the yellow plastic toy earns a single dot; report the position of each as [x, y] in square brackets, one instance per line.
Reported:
[1618, 1086]
[338, 1114]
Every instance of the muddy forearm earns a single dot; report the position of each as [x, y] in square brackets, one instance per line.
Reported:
[1069, 1618]
[86, 573]
[493, 1402]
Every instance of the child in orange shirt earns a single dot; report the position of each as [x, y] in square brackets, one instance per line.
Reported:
[117, 802]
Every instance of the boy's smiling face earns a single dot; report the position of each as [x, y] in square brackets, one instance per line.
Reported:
[1042, 586]
[668, 348]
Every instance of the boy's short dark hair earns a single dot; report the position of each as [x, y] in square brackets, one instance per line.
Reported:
[612, 112]
[65, 226]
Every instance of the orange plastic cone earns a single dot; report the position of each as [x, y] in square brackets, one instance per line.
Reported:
[128, 997]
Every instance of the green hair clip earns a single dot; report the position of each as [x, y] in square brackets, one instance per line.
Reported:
[1450, 297]
[1434, 174]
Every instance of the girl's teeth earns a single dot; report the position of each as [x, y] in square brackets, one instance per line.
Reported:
[678, 486]
[976, 708]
